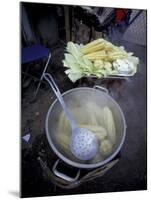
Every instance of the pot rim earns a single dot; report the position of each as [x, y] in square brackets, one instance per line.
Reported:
[76, 164]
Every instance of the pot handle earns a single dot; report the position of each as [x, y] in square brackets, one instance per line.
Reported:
[64, 176]
[101, 88]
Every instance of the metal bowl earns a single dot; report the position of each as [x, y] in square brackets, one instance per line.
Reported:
[78, 97]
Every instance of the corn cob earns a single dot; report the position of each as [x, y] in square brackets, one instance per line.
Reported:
[109, 124]
[98, 63]
[65, 140]
[108, 46]
[96, 55]
[106, 147]
[98, 58]
[92, 49]
[114, 55]
[96, 45]
[99, 131]
[93, 43]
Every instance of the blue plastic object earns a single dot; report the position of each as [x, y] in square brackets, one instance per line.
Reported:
[33, 52]
[26, 137]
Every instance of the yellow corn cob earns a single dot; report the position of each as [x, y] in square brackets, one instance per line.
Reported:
[108, 46]
[102, 49]
[95, 48]
[118, 50]
[97, 58]
[91, 45]
[106, 147]
[109, 124]
[112, 53]
[96, 55]
[99, 63]
[115, 57]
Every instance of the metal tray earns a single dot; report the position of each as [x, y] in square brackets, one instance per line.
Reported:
[116, 76]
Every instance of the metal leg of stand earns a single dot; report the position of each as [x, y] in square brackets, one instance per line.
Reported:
[45, 68]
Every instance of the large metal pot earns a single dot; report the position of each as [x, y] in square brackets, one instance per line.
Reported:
[75, 97]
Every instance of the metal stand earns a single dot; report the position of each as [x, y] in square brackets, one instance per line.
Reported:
[45, 68]
[87, 176]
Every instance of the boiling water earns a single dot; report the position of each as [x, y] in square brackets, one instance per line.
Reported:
[90, 116]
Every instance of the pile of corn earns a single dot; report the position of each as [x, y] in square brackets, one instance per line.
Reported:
[101, 49]
[99, 58]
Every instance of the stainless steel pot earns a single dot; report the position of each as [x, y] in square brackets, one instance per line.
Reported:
[78, 97]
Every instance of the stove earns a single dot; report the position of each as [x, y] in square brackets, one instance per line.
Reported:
[42, 155]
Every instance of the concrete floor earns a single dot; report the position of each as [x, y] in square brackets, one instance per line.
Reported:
[130, 172]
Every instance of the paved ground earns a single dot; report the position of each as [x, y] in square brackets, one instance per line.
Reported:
[130, 172]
